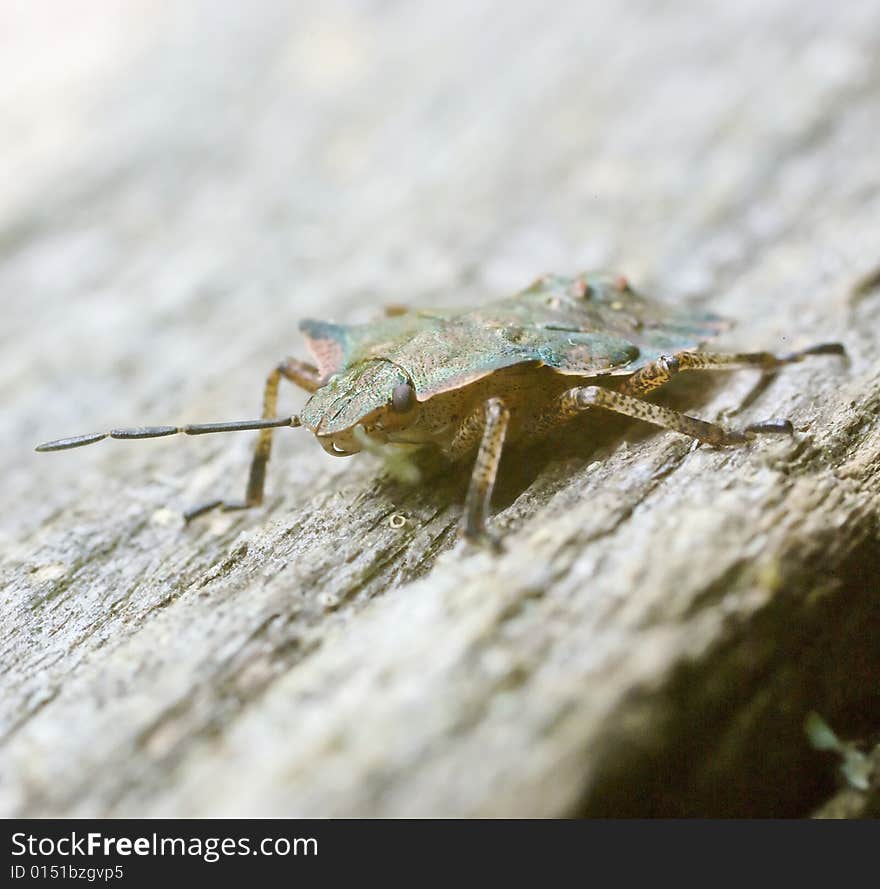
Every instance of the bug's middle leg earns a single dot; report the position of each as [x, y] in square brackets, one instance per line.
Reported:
[488, 425]
[305, 376]
[584, 397]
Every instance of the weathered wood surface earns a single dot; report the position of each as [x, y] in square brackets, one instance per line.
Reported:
[183, 184]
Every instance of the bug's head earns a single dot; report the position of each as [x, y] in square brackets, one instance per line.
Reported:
[375, 395]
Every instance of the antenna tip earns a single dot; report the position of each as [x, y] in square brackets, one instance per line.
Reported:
[62, 444]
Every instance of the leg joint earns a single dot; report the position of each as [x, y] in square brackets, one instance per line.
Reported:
[672, 363]
[586, 396]
[497, 410]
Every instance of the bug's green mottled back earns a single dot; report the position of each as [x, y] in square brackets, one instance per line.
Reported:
[590, 325]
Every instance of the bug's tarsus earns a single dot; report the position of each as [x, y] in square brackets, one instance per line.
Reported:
[196, 512]
[775, 426]
[818, 349]
[200, 510]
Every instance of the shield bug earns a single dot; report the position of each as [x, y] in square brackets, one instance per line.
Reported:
[467, 380]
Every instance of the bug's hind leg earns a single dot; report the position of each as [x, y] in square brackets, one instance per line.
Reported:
[488, 425]
[582, 398]
[661, 371]
[305, 376]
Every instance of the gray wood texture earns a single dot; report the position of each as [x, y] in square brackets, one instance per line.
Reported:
[183, 183]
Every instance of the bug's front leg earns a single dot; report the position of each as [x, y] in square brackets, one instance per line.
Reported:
[305, 376]
[488, 425]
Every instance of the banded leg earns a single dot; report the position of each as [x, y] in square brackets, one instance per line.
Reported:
[661, 371]
[582, 398]
[490, 426]
[303, 375]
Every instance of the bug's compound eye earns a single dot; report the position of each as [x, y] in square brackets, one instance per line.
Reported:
[403, 398]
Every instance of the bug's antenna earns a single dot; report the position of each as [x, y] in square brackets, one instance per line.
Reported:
[78, 441]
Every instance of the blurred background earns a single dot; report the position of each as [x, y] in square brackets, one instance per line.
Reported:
[181, 182]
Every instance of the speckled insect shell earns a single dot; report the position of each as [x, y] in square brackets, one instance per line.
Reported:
[588, 326]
